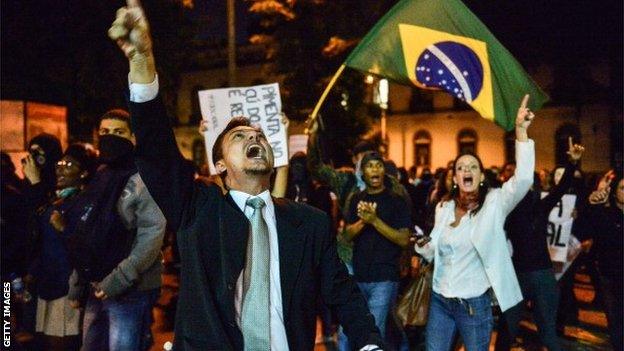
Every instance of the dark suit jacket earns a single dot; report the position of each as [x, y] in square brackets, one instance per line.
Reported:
[212, 238]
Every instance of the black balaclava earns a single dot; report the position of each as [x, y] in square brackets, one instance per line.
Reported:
[116, 151]
[53, 153]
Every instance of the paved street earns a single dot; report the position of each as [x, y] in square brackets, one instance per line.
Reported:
[590, 333]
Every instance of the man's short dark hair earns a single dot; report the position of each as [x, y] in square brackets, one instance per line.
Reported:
[118, 114]
[217, 148]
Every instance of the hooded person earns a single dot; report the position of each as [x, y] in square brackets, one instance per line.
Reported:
[47, 151]
[115, 248]
[38, 167]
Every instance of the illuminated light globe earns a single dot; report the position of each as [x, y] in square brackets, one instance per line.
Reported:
[452, 67]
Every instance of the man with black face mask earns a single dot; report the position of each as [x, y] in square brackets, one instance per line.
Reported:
[115, 249]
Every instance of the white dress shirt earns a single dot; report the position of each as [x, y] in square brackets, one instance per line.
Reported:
[459, 272]
[486, 229]
[279, 340]
[140, 93]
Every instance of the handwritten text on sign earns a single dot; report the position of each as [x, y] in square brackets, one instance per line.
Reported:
[559, 228]
[261, 104]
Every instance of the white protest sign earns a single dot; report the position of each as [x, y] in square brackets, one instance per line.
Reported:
[559, 227]
[574, 249]
[261, 104]
[297, 143]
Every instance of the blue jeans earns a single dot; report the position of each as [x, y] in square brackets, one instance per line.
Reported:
[380, 297]
[541, 288]
[472, 317]
[119, 323]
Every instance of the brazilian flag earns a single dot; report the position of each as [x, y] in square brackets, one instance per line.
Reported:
[442, 45]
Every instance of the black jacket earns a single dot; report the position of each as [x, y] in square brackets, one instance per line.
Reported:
[526, 225]
[212, 239]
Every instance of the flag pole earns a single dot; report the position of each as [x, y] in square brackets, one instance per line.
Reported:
[331, 84]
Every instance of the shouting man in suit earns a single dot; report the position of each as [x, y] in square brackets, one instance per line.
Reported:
[252, 266]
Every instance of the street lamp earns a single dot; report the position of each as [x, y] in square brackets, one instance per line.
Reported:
[383, 104]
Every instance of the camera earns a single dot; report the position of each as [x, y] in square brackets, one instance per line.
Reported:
[38, 155]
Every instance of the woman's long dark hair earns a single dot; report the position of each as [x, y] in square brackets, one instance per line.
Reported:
[483, 190]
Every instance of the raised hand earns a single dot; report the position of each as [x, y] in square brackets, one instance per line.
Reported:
[203, 126]
[311, 126]
[130, 30]
[285, 122]
[575, 151]
[599, 196]
[523, 119]
[605, 181]
[30, 169]
[525, 116]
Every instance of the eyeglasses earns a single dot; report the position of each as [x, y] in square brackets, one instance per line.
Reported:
[66, 164]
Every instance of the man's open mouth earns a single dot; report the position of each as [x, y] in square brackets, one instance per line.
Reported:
[468, 181]
[255, 151]
[375, 178]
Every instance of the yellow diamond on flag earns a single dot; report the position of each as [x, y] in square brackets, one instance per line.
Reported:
[456, 64]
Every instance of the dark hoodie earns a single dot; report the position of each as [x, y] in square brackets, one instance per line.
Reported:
[526, 225]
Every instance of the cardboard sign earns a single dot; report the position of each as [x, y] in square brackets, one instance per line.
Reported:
[560, 227]
[261, 104]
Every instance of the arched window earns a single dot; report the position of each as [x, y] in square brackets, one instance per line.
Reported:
[510, 146]
[467, 141]
[561, 141]
[422, 148]
[195, 109]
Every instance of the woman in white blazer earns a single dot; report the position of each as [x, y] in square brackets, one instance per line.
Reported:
[469, 247]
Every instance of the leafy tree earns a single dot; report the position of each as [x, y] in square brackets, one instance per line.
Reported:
[58, 52]
[307, 41]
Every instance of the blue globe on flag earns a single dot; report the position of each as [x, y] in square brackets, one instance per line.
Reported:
[452, 67]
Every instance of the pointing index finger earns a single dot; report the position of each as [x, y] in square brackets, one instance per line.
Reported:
[570, 143]
[133, 3]
[525, 101]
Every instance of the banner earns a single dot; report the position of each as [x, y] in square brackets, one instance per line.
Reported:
[442, 45]
[262, 104]
[559, 228]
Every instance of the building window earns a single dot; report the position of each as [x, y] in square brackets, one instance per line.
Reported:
[467, 141]
[422, 148]
[421, 101]
[510, 146]
[561, 141]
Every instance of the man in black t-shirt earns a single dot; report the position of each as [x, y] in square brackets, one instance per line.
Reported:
[377, 223]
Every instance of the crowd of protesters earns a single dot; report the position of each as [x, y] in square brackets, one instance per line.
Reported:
[84, 235]
[49, 241]
[94, 294]
[52, 219]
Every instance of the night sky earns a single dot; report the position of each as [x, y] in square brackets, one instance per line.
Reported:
[34, 33]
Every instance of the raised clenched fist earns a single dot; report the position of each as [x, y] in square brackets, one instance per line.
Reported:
[130, 31]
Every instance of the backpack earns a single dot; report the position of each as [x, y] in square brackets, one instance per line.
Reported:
[100, 240]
